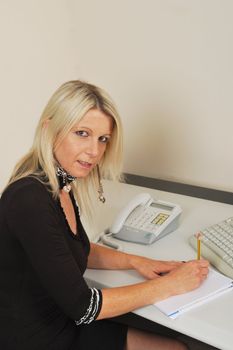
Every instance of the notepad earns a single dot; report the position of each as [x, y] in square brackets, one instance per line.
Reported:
[215, 285]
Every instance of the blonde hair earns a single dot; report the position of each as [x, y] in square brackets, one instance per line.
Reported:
[66, 107]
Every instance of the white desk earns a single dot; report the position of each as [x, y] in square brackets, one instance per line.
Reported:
[211, 322]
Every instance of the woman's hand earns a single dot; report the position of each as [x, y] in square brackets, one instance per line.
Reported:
[187, 277]
[150, 268]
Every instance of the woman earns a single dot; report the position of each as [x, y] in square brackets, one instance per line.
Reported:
[45, 302]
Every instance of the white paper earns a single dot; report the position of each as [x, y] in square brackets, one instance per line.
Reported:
[213, 286]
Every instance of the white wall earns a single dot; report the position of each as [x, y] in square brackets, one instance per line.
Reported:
[167, 63]
[37, 55]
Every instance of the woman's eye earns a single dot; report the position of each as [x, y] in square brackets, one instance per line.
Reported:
[81, 133]
[104, 139]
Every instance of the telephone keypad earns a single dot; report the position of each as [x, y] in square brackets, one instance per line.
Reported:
[146, 219]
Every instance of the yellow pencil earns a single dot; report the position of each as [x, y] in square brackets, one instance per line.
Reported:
[198, 237]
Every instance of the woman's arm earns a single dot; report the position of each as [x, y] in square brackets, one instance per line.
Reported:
[180, 278]
[104, 258]
[188, 276]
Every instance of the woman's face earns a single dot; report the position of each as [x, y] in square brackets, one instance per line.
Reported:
[83, 147]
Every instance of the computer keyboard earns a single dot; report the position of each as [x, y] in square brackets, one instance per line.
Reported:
[217, 245]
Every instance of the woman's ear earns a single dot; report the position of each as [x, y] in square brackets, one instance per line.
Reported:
[45, 123]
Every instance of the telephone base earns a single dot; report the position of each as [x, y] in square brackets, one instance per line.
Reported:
[138, 236]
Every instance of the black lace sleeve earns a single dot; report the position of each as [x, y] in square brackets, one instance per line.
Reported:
[93, 309]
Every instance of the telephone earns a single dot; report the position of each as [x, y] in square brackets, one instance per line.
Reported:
[145, 220]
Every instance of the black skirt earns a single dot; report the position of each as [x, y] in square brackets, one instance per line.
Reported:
[101, 335]
[98, 335]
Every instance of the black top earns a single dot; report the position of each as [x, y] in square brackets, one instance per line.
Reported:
[42, 289]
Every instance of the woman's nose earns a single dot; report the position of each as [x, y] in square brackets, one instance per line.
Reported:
[93, 148]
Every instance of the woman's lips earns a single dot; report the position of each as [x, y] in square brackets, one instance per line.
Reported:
[85, 165]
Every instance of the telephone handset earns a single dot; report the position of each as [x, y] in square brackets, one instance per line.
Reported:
[140, 199]
[145, 220]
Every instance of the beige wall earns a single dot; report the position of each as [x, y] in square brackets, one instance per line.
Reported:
[167, 63]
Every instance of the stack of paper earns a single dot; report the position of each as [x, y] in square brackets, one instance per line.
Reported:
[215, 285]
